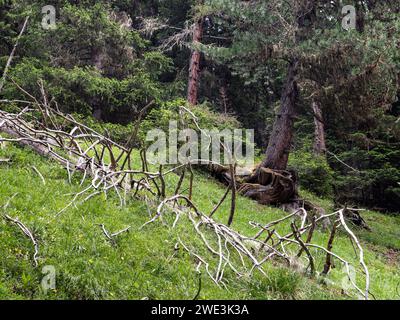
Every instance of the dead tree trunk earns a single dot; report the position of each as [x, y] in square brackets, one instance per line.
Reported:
[10, 58]
[40, 148]
[224, 98]
[194, 69]
[281, 138]
[319, 131]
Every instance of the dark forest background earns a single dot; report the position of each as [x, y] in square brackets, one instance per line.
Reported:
[326, 98]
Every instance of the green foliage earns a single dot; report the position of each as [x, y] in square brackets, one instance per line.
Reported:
[116, 132]
[374, 156]
[159, 118]
[313, 171]
[375, 184]
[92, 63]
[85, 90]
[170, 111]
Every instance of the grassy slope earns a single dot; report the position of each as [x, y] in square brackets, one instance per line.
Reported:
[144, 264]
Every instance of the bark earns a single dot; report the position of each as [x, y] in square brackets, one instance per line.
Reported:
[261, 184]
[269, 186]
[194, 69]
[319, 132]
[328, 261]
[281, 138]
[282, 134]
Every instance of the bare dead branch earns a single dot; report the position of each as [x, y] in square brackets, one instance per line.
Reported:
[29, 234]
[328, 261]
[10, 58]
[111, 237]
[304, 247]
[39, 174]
[220, 202]
[232, 169]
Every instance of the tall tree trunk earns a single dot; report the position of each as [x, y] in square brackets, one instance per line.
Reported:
[360, 16]
[281, 138]
[194, 69]
[319, 132]
[224, 98]
[282, 134]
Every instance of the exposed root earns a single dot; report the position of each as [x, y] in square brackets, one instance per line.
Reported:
[264, 185]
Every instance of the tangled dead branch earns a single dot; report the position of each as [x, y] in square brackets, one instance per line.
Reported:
[179, 38]
[79, 149]
[106, 166]
[252, 253]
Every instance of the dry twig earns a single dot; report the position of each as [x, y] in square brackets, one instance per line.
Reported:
[29, 234]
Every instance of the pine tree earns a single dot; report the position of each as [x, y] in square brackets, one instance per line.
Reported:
[306, 36]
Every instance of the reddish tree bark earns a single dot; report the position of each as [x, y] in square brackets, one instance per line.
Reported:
[281, 137]
[194, 69]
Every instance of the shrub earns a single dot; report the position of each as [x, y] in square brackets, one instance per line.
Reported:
[159, 118]
[314, 172]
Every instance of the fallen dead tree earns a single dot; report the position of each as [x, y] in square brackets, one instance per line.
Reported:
[81, 149]
[106, 166]
[254, 252]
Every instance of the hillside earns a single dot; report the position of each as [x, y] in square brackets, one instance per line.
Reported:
[144, 264]
[199, 150]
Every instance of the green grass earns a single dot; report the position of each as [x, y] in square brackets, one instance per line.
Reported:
[144, 264]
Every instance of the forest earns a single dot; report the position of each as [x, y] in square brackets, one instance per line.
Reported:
[200, 149]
